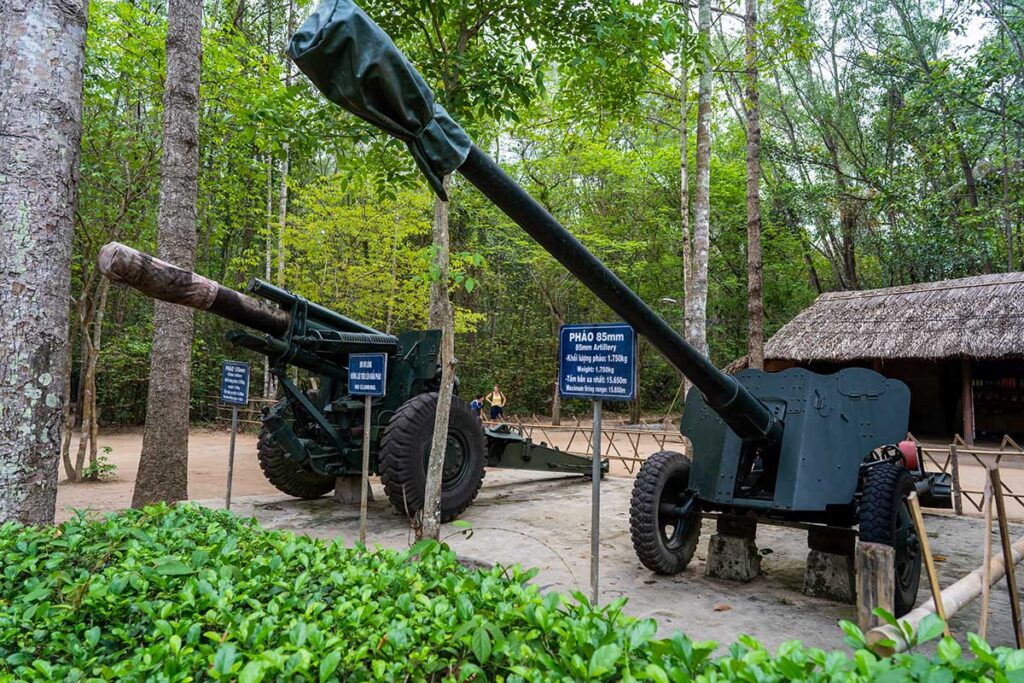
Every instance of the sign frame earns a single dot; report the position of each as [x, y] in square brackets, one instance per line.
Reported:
[383, 357]
[227, 398]
[604, 328]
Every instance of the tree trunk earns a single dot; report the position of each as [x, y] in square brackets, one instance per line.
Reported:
[87, 403]
[697, 302]
[440, 318]
[556, 404]
[684, 193]
[755, 301]
[68, 415]
[282, 216]
[42, 48]
[163, 464]
[282, 200]
[269, 386]
[92, 333]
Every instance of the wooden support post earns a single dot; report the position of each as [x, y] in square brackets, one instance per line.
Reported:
[968, 401]
[954, 465]
[875, 567]
[1004, 537]
[986, 576]
[954, 599]
[929, 562]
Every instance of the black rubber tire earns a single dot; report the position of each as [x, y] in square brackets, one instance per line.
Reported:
[288, 476]
[664, 477]
[405, 449]
[884, 517]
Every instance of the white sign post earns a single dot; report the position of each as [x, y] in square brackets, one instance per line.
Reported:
[234, 390]
[367, 377]
[598, 362]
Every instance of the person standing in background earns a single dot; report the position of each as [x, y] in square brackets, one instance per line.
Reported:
[476, 405]
[497, 401]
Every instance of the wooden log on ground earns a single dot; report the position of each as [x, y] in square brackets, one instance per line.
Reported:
[874, 568]
[953, 599]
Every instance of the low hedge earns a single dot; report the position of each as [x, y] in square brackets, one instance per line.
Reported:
[186, 593]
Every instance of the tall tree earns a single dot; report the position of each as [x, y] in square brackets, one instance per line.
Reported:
[451, 43]
[755, 297]
[163, 464]
[442, 318]
[697, 302]
[42, 50]
[686, 251]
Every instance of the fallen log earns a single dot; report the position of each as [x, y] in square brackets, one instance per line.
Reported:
[953, 599]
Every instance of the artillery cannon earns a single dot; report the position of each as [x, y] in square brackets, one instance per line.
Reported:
[310, 438]
[795, 446]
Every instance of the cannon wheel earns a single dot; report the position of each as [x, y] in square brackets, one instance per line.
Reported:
[664, 542]
[405, 450]
[885, 518]
[287, 475]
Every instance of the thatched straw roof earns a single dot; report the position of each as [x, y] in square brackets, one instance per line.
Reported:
[974, 317]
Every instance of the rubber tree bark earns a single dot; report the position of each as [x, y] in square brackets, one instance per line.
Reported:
[697, 301]
[684, 190]
[440, 318]
[163, 464]
[42, 49]
[755, 299]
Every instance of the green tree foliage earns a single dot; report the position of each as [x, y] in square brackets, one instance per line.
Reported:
[866, 119]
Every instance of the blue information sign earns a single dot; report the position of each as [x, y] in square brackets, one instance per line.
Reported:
[367, 374]
[234, 383]
[597, 361]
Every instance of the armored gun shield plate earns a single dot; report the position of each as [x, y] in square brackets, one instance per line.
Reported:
[832, 422]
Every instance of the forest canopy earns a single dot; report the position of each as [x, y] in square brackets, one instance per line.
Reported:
[891, 153]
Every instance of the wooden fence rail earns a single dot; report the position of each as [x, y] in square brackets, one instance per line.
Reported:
[632, 444]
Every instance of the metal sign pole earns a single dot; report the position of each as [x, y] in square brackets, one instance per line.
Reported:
[366, 469]
[595, 502]
[231, 455]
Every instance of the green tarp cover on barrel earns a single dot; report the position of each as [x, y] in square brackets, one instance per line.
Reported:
[355, 64]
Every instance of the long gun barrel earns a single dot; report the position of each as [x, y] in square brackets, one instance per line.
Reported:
[161, 280]
[301, 332]
[356, 65]
[747, 416]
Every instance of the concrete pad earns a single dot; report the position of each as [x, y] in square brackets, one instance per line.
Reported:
[733, 558]
[347, 490]
[831, 576]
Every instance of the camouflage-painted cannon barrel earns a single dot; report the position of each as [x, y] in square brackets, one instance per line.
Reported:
[161, 280]
[322, 329]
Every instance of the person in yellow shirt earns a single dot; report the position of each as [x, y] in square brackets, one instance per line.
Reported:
[497, 401]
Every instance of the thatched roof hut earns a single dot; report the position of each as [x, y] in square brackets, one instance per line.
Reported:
[973, 317]
[958, 344]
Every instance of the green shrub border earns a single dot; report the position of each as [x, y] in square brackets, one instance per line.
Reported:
[186, 593]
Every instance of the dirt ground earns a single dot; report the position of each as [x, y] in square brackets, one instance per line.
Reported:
[207, 471]
[543, 521]
[208, 454]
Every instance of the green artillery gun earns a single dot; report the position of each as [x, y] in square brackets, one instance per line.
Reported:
[821, 452]
[310, 438]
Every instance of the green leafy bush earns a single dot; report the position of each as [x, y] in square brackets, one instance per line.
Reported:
[102, 468]
[186, 593]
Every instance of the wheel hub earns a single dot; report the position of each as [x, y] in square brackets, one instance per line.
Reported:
[456, 460]
[675, 507]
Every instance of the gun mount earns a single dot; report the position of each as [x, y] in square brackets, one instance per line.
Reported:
[792, 446]
[310, 438]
